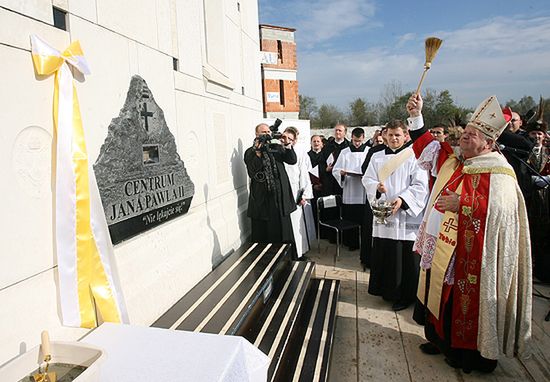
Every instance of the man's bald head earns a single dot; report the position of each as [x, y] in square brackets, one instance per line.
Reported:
[340, 131]
[515, 122]
[262, 128]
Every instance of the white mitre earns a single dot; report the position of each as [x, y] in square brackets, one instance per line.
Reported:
[489, 118]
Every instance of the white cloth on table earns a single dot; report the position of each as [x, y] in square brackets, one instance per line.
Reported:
[137, 353]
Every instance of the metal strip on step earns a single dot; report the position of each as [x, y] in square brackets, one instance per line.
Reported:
[319, 361]
[291, 306]
[269, 318]
[191, 309]
[307, 337]
[245, 299]
[279, 336]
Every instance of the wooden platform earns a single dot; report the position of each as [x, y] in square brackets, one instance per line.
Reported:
[373, 343]
[231, 292]
[259, 293]
[271, 332]
[307, 355]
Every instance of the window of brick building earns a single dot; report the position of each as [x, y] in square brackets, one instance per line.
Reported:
[280, 50]
[282, 92]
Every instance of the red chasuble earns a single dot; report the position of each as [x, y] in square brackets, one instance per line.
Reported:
[468, 252]
[467, 268]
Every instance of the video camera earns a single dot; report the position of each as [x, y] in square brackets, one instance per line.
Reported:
[270, 142]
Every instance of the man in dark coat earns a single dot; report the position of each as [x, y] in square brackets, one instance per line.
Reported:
[517, 147]
[538, 204]
[329, 156]
[270, 201]
[316, 157]
[330, 152]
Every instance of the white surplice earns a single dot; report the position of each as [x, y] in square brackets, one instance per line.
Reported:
[410, 183]
[353, 191]
[298, 175]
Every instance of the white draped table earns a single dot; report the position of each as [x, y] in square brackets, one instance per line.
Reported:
[136, 353]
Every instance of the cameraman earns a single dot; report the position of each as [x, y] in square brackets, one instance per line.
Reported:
[517, 147]
[270, 202]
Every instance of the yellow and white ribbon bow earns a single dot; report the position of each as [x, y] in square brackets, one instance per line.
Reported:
[87, 273]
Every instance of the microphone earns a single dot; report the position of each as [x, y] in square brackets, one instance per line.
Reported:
[513, 150]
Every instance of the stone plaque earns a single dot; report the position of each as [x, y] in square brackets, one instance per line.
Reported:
[141, 178]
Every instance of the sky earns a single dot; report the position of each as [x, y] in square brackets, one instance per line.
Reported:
[353, 48]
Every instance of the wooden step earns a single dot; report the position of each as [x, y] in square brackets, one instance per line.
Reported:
[230, 297]
[307, 354]
[272, 330]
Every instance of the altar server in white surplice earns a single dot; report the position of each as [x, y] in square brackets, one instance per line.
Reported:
[393, 174]
[298, 175]
[347, 172]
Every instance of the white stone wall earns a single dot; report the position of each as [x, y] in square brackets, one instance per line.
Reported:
[204, 106]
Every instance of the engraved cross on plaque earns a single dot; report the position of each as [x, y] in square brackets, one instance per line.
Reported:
[450, 225]
[145, 114]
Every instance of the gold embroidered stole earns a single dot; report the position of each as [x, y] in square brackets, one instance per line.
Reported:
[444, 249]
[394, 163]
[445, 242]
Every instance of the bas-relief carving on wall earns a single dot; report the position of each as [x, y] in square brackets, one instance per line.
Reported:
[32, 161]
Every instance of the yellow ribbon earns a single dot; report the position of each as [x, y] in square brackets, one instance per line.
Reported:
[76, 235]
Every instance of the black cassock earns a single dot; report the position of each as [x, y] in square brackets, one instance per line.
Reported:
[315, 158]
[330, 185]
[366, 228]
[270, 201]
[316, 182]
[538, 211]
[394, 270]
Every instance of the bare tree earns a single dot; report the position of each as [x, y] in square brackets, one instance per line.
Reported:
[390, 95]
[392, 91]
[308, 107]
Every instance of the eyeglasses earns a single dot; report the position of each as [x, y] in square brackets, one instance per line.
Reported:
[514, 120]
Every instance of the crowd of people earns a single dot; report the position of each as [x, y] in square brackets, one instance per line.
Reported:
[469, 220]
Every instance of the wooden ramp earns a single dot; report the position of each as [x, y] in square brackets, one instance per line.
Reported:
[259, 293]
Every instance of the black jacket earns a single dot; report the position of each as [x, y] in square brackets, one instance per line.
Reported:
[330, 185]
[523, 147]
[260, 198]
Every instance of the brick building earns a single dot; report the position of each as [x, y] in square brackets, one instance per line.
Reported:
[279, 84]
